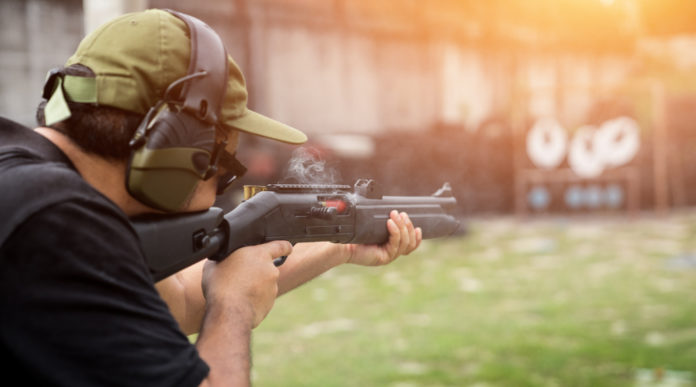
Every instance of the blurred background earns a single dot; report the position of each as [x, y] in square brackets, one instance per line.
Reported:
[415, 93]
[565, 127]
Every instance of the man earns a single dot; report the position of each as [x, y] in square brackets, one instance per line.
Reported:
[79, 306]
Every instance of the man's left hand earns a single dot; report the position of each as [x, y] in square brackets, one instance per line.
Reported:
[403, 239]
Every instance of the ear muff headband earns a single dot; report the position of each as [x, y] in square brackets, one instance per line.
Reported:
[174, 145]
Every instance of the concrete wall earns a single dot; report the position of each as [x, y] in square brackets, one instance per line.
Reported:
[35, 36]
[335, 83]
[99, 11]
[351, 66]
[329, 66]
[311, 66]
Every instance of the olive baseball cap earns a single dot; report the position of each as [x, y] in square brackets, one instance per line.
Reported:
[135, 57]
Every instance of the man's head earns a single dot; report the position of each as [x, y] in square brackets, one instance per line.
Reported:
[141, 60]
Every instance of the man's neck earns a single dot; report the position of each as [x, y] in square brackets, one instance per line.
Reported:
[106, 176]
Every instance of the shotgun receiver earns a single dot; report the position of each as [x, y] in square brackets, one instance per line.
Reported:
[292, 212]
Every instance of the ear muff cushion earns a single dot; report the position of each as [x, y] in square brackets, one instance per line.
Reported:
[168, 190]
[165, 171]
[165, 178]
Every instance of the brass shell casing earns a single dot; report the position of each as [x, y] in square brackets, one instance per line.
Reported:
[251, 190]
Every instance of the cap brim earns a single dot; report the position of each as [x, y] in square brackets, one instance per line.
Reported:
[260, 125]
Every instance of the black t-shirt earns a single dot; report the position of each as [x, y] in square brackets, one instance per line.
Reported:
[77, 303]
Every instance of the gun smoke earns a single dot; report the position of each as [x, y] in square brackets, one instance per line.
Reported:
[306, 166]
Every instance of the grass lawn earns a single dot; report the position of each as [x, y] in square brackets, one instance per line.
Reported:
[555, 302]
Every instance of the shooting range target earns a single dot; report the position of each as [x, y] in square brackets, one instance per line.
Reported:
[546, 143]
[584, 157]
[539, 198]
[574, 197]
[618, 141]
[593, 196]
[590, 151]
[613, 196]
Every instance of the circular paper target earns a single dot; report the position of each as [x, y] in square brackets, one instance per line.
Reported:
[546, 143]
[583, 156]
[617, 141]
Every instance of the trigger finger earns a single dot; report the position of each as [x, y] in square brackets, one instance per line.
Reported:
[279, 249]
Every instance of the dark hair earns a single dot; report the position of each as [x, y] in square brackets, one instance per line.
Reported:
[101, 130]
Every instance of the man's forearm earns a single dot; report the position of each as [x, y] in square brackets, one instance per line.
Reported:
[308, 261]
[224, 343]
[184, 295]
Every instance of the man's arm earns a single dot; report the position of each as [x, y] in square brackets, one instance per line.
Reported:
[183, 294]
[309, 260]
[239, 292]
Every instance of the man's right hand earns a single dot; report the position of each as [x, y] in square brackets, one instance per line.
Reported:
[239, 293]
[246, 280]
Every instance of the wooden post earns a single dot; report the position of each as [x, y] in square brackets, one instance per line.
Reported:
[660, 168]
[518, 130]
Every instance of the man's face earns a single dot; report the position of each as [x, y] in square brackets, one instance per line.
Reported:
[206, 190]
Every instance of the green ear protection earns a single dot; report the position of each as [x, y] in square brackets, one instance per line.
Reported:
[175, 145]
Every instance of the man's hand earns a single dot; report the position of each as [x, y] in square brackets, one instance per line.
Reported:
[239, 292]
[403, 239]
[246, 280]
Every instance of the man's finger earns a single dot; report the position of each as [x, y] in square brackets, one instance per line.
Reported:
[392, 246]
[412, 235]
[405, 235]
[277, 249]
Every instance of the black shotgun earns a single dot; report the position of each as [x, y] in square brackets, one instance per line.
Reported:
[291, 212]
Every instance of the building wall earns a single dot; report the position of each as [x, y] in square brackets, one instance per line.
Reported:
[319, 67]
[97, 12]
[331, 67]
[337, 83]
[355, 66]
[35, 36]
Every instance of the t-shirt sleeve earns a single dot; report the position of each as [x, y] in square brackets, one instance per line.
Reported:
[78, 304]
